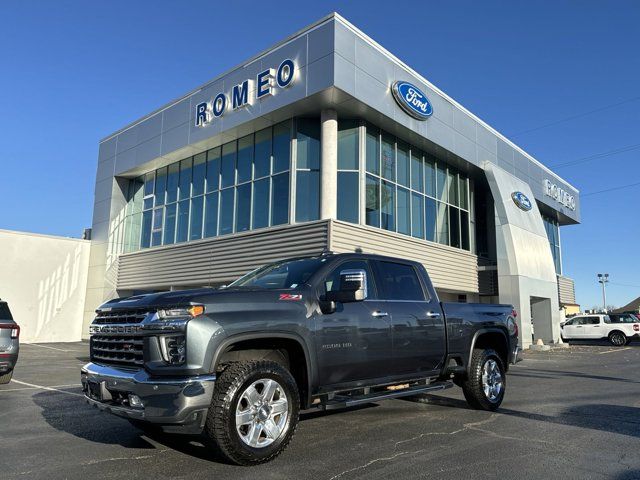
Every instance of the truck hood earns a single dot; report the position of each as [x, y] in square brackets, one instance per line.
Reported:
[158, 299]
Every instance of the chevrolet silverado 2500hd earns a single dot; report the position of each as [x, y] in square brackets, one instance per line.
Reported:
[239, 363]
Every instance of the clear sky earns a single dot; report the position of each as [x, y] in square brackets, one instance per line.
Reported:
[72, 72]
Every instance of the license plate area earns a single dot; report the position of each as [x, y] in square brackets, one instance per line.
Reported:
[98, 391]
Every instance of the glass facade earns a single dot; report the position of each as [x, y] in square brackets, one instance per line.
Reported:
[410, 192]
[553, 234]
[238, 186]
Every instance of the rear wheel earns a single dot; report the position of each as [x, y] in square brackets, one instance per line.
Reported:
[254, 411]
[485, 385]
[617, 338]
[6, 377]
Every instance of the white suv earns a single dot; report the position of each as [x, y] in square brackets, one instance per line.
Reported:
[619, 331]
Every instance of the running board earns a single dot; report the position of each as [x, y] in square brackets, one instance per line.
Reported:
[346, 401]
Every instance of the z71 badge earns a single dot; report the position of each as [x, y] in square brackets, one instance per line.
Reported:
[290, 296]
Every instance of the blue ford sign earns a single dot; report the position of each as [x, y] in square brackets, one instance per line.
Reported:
[522, 201]
[412, 100]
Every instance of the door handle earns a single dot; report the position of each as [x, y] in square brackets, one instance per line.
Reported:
[432, 315]
[379, 313]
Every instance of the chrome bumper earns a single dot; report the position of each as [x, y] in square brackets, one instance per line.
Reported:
[176, 401]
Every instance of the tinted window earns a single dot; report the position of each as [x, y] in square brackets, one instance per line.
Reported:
[592, 321]
[332, 281]
[5, 313]
[399, 281]
[288, 274]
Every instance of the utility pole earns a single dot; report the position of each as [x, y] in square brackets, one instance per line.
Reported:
[603, 279]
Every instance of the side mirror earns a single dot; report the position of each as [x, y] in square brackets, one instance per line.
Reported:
[353, 287]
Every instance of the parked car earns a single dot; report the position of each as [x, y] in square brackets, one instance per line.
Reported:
[328, 331]
[618, 329]
[9, 343]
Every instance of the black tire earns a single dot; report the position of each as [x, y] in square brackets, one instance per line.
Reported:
[6, 377]
[617, 338]
[220, 425]
[473, 387]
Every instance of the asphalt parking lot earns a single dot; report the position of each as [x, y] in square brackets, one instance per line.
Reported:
[570, 414]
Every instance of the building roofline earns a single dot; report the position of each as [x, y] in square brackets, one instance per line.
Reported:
[377, 46]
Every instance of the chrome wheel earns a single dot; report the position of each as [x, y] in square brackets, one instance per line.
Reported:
[492, 383]
[262, 413]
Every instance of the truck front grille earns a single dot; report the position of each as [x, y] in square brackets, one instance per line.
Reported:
[124, 351]
[122, 316]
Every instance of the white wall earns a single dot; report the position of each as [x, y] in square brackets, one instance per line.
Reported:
[44, 280]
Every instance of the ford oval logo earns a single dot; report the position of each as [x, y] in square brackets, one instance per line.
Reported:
[522, 201]
[412, 100]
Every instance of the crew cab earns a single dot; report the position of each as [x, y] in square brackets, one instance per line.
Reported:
[620, 330]
[329, 331]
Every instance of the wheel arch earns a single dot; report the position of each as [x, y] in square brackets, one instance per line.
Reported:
[495, 338]
[293, 344]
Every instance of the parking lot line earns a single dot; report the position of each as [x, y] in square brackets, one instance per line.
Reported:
[47, 346]
[52, 389]
[614, 350]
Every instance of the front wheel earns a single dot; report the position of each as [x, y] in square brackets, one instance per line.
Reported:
[617, 339]
[254, 411]
[6, 377]
[485, 385]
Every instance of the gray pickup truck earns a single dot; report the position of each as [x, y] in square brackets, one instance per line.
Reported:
[9, 343]
[330, 331]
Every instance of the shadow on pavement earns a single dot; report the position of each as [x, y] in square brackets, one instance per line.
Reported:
[541, 373]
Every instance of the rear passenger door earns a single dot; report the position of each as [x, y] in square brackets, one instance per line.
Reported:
[417, 326]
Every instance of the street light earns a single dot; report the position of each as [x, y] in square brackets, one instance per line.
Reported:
[603, 278]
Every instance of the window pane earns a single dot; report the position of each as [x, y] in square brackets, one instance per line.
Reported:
[404, 211]
[226, 211]
[388, 157]
[348, 196]
[170, 224]
[417, 215]
[156, 227]
[417, 173]
[228, 164]
[262, 160]
[430, 219]
[308, 141]
[280, 199]
[454, 227]
[452, 180]
[261, 203]
[211, 215]
[199, 172]
[347, 145]
[172, 182]
[307, 195]
[403, 164]
[148, 184]
[399, 282]
[332, 280]
[464, 192]
[185, 179]
[430, 178]
[137, 194]
[281, 144]
[183, 221]
[243, 207]
[145, 240]
[441, 178]
[372, 192]
[245, 158]
[195, 232]
[373, 150]
[213, 169]
[464, 230]
[161, 185]
[387, 206]
[442, 235]
[136, 220]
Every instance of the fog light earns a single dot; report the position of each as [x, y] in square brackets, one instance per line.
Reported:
[134, 401]
[174, 349]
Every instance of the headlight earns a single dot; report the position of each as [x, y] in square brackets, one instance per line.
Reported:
[173, 313]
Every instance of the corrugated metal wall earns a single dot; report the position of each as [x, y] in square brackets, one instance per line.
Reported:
[449, 268]
[218, 260]
[566, 291]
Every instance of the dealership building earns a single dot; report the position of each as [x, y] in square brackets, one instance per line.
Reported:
[327, 141]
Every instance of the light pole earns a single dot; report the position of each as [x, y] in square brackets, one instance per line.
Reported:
[603, 278]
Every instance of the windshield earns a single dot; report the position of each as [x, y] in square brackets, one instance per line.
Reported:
[286, 274]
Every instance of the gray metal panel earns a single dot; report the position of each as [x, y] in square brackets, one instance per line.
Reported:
[449, 268]
[218, 260]
[566, 291]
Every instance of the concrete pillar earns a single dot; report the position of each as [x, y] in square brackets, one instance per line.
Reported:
[328, 164]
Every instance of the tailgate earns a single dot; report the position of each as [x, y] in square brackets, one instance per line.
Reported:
[5, 335]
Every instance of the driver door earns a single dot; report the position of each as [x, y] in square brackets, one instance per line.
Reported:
[353, 344]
